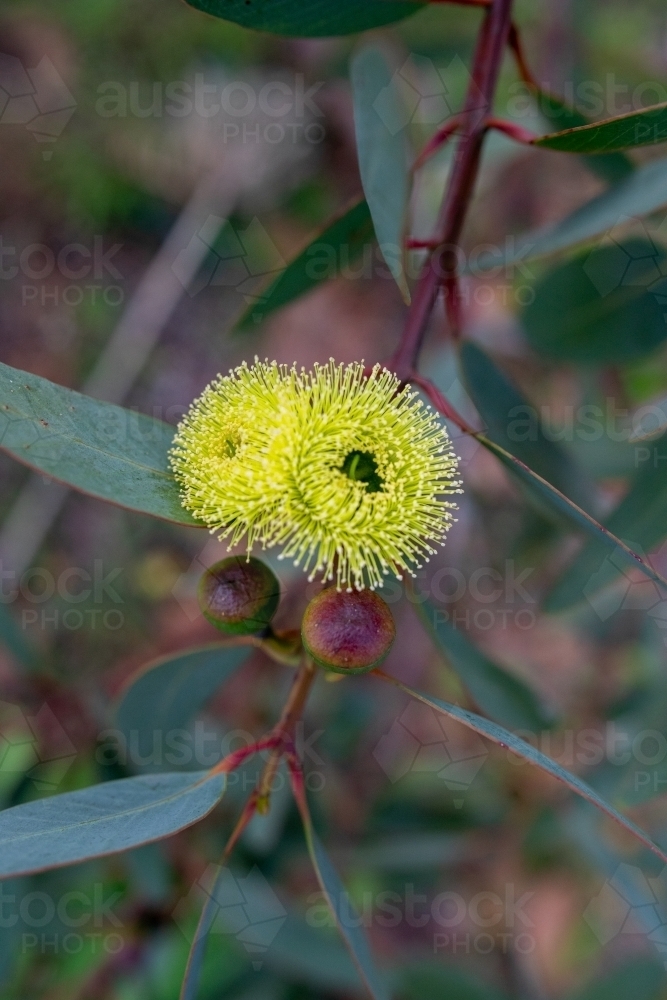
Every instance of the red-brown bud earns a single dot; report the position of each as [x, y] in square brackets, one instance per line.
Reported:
[348, 632]
[239, 596]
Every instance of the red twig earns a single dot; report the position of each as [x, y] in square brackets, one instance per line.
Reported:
[437, 141]
[516, 132]
[489, 51]
[441, 403]
[516, 47]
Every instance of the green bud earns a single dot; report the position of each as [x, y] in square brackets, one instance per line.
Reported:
[348, 632]
[239, 596]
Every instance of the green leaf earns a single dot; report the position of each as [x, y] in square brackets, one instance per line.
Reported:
[337, 898]
[640, 194]
[98, 448]
[383, 154]
[504, 738]
[640, 978]
[514, 424]
[210, 910]
[501, 696]
[14, 640]
[308, 18]
[640, 517]
[606, 306]
[337, 246]
[165, 695]
[430, 979]
[103, 819]
[612, 167]
[637, 128]
[563, 508]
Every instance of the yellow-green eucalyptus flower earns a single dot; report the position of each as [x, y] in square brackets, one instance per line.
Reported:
[348, 473]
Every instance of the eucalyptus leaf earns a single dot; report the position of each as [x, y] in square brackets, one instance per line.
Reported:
[606, 306]
[383, 154]
[564, 509]
[516, 425]
[639, 518]
[165, 695]
[309, 17]
[612, 167]
[637, 128]
[641, 193]
[337, 898]
[506, 739]
[95, 447]
[326, 256]
[641, 978]
[103, 819]
[499, 694]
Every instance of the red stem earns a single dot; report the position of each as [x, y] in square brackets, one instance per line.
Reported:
[486, 65]
[516, 46]
[516, 132]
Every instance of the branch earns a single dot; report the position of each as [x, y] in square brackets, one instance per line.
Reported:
[487, 61]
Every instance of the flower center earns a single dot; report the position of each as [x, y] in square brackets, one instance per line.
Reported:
[231, 444]
[361, 467]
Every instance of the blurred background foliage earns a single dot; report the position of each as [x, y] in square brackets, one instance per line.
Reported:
[571, 334]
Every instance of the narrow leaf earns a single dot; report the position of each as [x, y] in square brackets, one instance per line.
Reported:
[636, 128]
[103, 819]
[574, 516]
[165, 695]
[98, 448]
[13, 638]
[641, 978]
[640, 194]
[501, 696]
[304, 18]
[326, 256]
[338, 900]
[210, 910]
[504, 738]
[640, 517]
[612, 167]
[514, 424]
[383, 154]
[605, 306]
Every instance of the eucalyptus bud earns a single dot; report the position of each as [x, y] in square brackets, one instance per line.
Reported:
[348, 632]
[239, 595]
